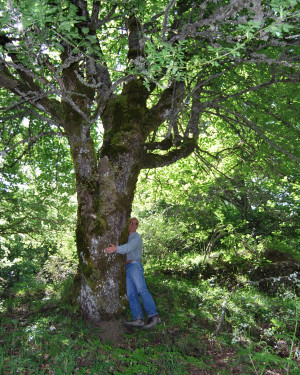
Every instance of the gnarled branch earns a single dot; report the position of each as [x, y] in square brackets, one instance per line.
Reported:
[151, 160]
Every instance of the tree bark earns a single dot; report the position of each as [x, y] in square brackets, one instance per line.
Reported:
[105, 192]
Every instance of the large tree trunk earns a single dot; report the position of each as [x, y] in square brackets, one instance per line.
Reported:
[105, 195]
[105, 192]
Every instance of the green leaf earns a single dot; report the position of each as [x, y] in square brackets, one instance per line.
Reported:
[85, 30]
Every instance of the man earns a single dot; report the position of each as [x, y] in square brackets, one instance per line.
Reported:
[135, 280]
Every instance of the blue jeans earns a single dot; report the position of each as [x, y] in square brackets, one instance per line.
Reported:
[136, 286]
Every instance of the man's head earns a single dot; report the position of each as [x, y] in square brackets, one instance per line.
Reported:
[133, 224]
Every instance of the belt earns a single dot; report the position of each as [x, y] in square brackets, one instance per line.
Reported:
[129, 261]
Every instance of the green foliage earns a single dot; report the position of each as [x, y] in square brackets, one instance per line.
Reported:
[37, 205]
[241, 113]
[58, 268]
[182, 211]
[220, 203]
[218, 211]
[207, 223]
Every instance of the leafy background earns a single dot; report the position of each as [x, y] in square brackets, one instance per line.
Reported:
[220, 229]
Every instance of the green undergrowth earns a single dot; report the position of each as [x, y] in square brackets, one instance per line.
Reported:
[207, 328]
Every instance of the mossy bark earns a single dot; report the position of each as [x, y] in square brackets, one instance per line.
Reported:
[105, 192]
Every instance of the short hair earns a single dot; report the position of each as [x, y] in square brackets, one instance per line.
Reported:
[134, 218]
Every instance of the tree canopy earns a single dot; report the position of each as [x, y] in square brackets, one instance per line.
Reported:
[135, 85]
[226, 61]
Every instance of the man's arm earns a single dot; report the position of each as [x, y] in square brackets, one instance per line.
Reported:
[133, 244]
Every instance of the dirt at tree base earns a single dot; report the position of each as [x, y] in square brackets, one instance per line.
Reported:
[111, 331]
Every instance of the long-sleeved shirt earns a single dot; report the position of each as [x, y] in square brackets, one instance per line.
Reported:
[133, 248]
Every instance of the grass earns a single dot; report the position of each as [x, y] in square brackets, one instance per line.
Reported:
[41, 334]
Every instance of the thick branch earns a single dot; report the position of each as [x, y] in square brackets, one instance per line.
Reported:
[6, 79]
[219, 16]
[150, 160]
[165, 144]
[167, 107]
[82, 7]
[136, 45]
[30, 93]
[95, 22]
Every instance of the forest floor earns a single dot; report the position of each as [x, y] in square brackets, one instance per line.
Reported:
[42, 334]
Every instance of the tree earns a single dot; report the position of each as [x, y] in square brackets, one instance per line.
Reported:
[132, 85]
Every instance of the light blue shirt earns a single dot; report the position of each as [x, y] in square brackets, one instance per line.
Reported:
[133, 248]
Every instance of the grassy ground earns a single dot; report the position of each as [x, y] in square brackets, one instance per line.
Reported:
[257, 334]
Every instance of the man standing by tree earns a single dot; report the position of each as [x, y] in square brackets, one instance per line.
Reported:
[135, 280]
[135, 85]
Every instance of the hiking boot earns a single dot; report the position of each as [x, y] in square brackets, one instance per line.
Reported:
[153, 321]
[135, 323]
